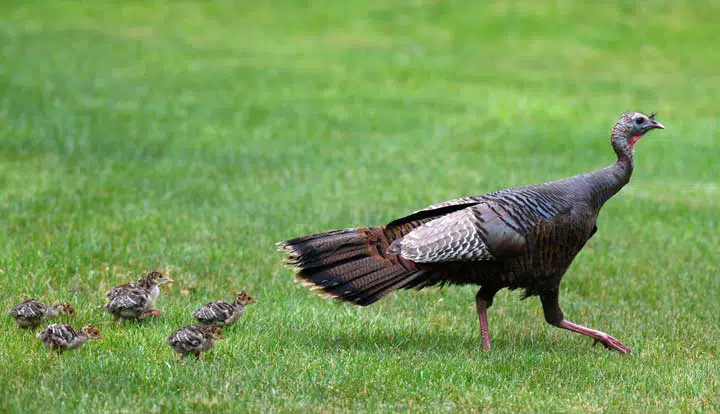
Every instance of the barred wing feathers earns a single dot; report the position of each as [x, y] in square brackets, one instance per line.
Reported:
[477, 233]
[215, 312]
[30, 309]
[58, 335]
[188, 339]
[131, 303]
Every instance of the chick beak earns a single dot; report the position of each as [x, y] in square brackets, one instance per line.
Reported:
[657, 125]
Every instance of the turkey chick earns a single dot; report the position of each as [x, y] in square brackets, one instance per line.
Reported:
[61, 337]
[222, 313]
[137, 302]
[194, 339]
[141, 282]
[31, 313]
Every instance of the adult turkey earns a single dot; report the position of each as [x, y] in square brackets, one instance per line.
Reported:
[522, 237]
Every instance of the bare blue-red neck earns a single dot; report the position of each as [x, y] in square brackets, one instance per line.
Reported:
[606, 182]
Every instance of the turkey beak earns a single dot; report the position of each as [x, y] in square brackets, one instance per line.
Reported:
[657, 125]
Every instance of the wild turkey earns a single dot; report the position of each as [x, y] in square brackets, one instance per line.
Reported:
[31, 312]
[522, 237]
[194, 339]
[61, 337]
[126, 302]
[145, 282]
[222, 313]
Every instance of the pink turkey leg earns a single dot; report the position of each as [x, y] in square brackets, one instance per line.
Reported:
[608, 341]
[154, 312]
[484, 331]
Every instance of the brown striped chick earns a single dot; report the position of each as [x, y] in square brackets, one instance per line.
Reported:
[194, 339]
[120, 289]
[222, 313]
[61, 337]
[31, 313]
[143, 282]
[138, 302]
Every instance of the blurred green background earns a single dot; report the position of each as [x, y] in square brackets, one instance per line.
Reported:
[191, 136]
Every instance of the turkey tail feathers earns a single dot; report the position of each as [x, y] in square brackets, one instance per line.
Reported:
[349, 264]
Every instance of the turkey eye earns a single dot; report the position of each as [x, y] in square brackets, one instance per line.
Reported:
[639, 121]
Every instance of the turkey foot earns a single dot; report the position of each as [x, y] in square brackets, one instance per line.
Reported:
[608, 341]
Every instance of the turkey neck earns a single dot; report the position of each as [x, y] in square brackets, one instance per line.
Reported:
[607, 182]
[154, 291]
[81, 339]
[55, 310]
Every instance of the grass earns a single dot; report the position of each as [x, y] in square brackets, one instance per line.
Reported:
[191, 136]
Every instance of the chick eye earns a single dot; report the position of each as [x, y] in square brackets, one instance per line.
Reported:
[640, 120]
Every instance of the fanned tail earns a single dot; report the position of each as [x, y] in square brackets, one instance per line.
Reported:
[350, 264]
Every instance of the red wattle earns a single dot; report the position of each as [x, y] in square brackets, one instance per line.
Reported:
[634, 139]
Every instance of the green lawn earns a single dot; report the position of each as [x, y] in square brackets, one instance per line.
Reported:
[192, 135]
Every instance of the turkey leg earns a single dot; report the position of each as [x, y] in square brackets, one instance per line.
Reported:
[608, 341]
[482, 315]
[554, 316]
[152, 312]
[483, 301]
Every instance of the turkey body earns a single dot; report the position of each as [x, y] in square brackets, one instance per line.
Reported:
[136, 300]
[517, 238]
[31, 313]
[61, 337]
[194, 339]
[221, 313]
[524, 237]
[218, 313]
